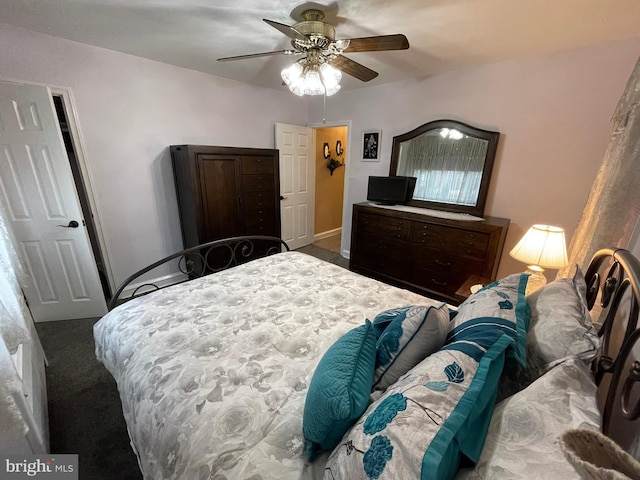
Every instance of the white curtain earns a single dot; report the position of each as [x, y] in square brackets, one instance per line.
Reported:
[14, 315]
[612, 212]
[16, 417]
[448, 169]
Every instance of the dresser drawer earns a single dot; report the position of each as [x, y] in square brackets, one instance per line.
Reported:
[381, 265]
[260, 224]
[257, 182]
[381, 246]
[453, 240]
[259, 199]
[444, 261]
[256, 165]
[442, 282]
[380, 225]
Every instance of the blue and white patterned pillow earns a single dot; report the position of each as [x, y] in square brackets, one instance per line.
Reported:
[422, 425]
[406, 336]
[499, 308]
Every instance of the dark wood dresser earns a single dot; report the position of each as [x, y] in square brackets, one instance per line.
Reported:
[429, 255]
[226, 191]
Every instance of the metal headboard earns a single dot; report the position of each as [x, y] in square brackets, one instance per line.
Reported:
[622, 276]
[203, 260]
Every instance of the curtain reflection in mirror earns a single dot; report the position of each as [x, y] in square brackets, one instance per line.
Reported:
[448, 169]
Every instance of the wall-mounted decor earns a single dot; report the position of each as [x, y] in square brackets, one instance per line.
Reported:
[333, 164]
[339, 150]
[325, 150]
[371, 146]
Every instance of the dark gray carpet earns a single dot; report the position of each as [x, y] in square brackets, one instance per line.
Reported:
[85, 413]
[325, 254]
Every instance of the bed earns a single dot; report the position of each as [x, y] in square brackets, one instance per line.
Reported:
[251, 370]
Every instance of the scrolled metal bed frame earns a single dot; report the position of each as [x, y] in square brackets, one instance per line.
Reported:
[198, 261]
[622, 276]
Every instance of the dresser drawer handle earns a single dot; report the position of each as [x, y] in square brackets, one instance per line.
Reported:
[444, 264]
[438, 282]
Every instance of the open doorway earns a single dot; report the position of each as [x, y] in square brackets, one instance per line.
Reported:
[330, 163]
[81, 189]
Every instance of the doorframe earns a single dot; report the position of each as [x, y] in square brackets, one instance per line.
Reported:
[341, 123]
[66, 94]
[78, 145]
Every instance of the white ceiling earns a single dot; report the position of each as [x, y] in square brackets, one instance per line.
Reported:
[443, 34]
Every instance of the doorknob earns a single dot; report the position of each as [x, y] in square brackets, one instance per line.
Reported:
[72, 224]
[282, 198]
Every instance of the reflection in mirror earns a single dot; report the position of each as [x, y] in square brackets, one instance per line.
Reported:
[452, 162]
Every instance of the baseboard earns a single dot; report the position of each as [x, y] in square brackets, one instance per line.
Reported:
[327, 234]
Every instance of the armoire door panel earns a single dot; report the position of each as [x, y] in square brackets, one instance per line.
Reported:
[220, 198]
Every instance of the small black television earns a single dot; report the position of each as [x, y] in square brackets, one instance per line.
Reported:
[390, 190]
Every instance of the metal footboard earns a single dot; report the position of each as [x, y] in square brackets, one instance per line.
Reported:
[201, 260]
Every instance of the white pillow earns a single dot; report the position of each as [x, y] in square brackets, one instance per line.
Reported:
[560, 326]
[524, 427]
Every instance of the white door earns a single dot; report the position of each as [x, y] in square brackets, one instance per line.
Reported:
[297, 183]
[42, 206]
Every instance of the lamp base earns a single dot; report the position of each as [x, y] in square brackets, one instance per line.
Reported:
[536, 280]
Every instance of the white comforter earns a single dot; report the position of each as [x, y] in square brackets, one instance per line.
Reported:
[213, 373]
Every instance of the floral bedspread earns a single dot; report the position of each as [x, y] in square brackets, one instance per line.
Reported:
[213, 373]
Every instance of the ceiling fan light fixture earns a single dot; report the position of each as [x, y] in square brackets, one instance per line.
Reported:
[291, 73]
[331, 78]
[311, 79]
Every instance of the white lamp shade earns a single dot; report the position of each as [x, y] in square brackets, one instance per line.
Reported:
[542, 246]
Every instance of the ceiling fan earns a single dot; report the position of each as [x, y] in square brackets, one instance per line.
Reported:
[316, 39]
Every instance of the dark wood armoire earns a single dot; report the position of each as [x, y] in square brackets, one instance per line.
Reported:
[226, 192]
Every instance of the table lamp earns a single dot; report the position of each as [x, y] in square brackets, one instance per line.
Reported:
[543, 246]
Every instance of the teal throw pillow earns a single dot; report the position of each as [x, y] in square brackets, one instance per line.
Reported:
[410, 335]
[499, 308]
[339, 391]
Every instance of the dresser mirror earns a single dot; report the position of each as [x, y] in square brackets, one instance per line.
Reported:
[452, 162]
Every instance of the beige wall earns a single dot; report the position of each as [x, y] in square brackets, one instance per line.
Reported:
[329, 188]
[553, 113]
[129, 111]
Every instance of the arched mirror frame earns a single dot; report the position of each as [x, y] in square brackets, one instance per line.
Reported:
[490, 136]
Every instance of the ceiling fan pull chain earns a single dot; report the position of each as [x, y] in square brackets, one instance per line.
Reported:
[324, 107]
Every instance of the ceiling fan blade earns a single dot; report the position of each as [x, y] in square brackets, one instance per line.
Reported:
[354, 69]
[377, 44]
[287, 30]
[254, 55]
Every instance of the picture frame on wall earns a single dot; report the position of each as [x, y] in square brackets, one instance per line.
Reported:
[371, 145]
